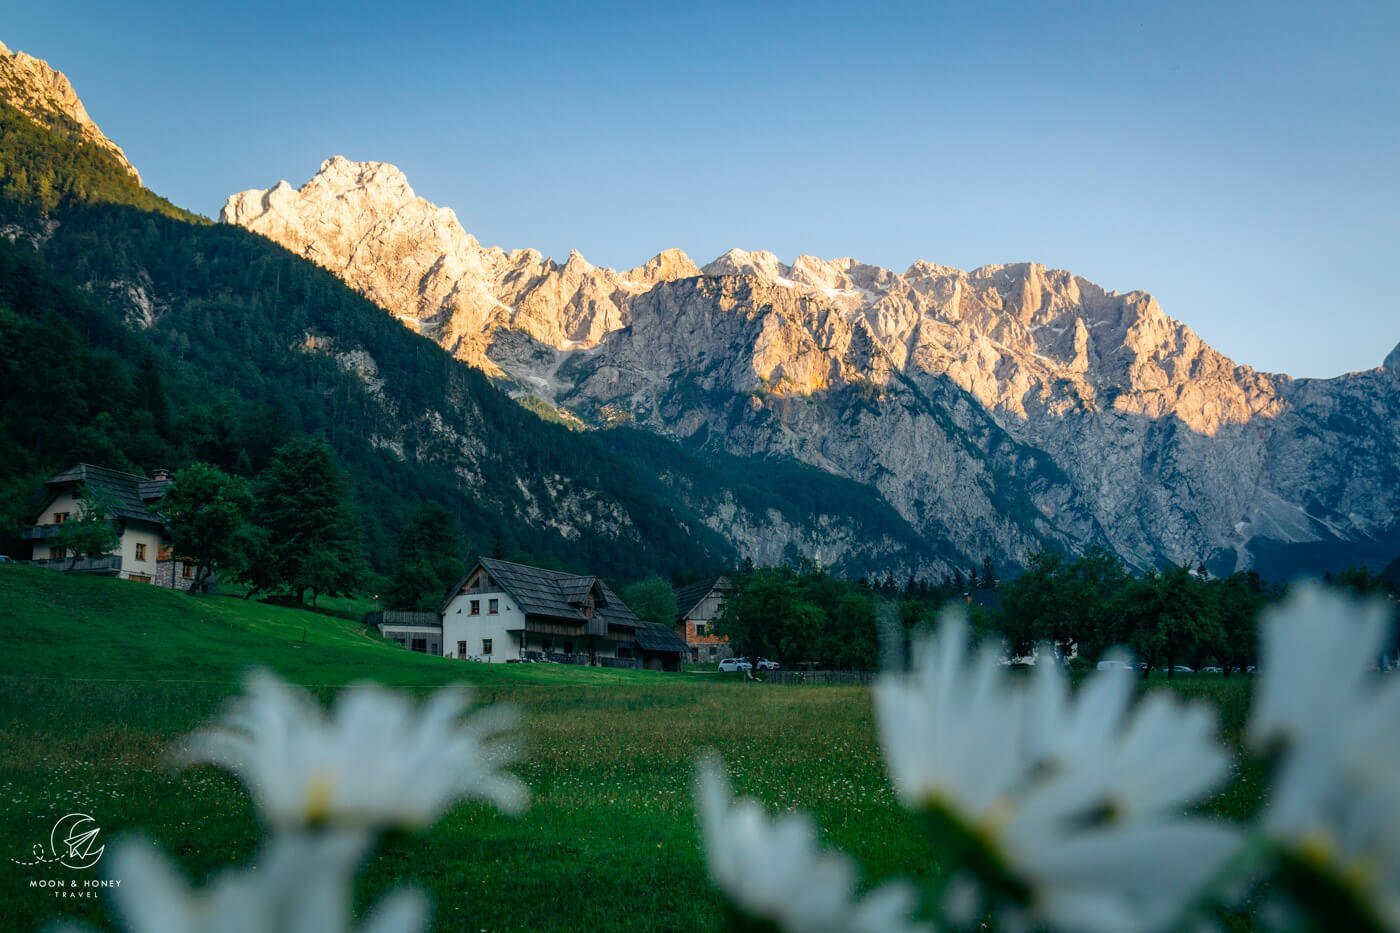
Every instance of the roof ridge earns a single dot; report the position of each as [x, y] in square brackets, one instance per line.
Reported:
[109, 470]
[567, 574]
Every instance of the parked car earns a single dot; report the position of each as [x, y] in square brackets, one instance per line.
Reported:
[1115, 666]
[766, 665]
[1182, 669]
[730, 665]
[1212, 670]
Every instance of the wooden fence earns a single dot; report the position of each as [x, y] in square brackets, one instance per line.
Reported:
[806, 678]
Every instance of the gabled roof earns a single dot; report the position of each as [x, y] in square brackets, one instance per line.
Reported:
[576, 588]
[614, 610]
[688, 597]
[551, 593]
[654, 637]
[133, 496]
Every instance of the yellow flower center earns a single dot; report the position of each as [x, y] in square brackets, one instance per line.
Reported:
[319, 792]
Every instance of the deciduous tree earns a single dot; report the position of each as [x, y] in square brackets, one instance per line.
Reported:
[205, 511]
[652, 600]
[93, 531]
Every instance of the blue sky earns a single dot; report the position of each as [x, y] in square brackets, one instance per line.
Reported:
[1239, 162]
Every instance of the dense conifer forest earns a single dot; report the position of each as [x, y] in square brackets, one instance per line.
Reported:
[137, 336]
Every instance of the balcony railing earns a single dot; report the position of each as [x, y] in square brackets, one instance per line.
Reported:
[403, 617]
[40, 532]
[110, 563]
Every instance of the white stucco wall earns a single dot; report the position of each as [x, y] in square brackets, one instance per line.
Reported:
[63, 503]
[504, 628]
[131, 537]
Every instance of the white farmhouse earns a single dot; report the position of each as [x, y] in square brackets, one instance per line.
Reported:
[142, 554]
[502, 610]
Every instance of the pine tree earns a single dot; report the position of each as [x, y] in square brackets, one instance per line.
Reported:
[429, 559]
[313, 537]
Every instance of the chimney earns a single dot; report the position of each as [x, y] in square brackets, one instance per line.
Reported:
[160, 474]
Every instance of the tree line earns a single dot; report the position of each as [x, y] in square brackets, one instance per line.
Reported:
[1080, 606]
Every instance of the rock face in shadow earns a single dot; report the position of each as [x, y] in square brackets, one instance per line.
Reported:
[997, 409]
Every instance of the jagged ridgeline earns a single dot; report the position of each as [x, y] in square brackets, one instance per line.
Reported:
[137, 335]
[996, 410]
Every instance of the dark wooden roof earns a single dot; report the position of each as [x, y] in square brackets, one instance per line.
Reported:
[659, 638]
[688, 597]
[133, 496]
[552, 594]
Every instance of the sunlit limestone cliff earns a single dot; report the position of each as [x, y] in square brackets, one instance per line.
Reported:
[46, 97]
[996, 410]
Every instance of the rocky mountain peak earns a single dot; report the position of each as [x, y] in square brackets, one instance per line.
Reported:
[45, 95]
[1392, 362]
[962, 397]
[666, 266]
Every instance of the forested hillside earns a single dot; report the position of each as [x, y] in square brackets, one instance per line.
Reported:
[135, 335]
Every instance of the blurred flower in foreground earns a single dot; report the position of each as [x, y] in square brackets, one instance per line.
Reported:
[1334, 813]
[1314, 654]
[774, 870]
[375, 761]
[302, 884]
[1067, 810]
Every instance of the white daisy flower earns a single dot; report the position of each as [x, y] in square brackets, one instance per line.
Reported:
[300, 884]
[1069, 808]
[1152, 759]
[775, 870]
[375, 761]
[1334, 811]
[952, 731]
[1314, 654]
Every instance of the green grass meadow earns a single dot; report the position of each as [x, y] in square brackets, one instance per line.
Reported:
[98, 677]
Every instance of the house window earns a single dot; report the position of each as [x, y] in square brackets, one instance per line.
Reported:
[486, 646]
[56, 553]
[60, 517]
[187, 571]
[461, 649]
[139, 578]
[476, 607]
[420, 644]
[493, 606]
[140, 552]
[699, 629]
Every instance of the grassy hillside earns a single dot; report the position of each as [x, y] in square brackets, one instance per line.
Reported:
[89, 628]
